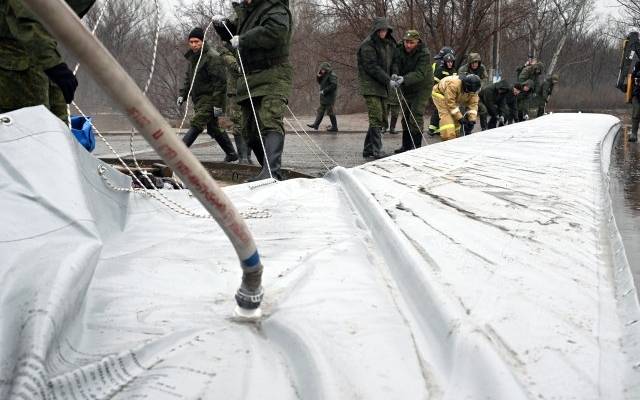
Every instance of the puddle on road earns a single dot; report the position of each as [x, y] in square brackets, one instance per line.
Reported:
[625, 196]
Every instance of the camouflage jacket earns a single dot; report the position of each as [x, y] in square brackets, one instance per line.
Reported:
[211, 78]
[230, 61]
[24, 41]
[481, 71]
[375, 56]
[494, 96]
[264, 28]
[415, 69]
[532, 72]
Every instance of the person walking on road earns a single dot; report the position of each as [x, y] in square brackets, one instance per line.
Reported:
[328, 82]
[208, 93]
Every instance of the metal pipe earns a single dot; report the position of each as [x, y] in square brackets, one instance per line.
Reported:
[62, 22]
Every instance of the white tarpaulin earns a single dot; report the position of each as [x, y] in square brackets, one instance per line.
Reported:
[487, 267]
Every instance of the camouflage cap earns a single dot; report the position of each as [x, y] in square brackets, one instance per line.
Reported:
[411, 34]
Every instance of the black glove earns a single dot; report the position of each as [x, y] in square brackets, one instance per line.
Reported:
[62, 76]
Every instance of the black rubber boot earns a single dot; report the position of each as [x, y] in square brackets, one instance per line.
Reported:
[273, 144]
[244, 154]
[392, 124]
[334, 124]
[376, 144]
[223, 140]
[316, 123]
[191, 136]
[633, 137]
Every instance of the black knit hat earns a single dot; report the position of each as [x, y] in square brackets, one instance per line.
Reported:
[197, 33]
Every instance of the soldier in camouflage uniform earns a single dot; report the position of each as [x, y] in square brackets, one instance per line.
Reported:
[233, 112]
[208, 93]
[492, 99]
[635, 102]
[412, 77]
[445, 67]
[262, 33]
[510, 105]
[32, 71]
[328, 82]
[546, 89]
[474, 66]
[375, 55]
[526, 100]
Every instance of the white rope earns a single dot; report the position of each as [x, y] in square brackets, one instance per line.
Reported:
[146, 88]
[253, 109]
[309, 137]
[93, 32]
[406, 122]
[307, 146]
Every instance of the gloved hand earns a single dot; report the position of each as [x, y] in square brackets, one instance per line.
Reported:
[180, 101]
[399, 80]
[468, 126]
[235, 41]
[218, 19]
[321, 92]
[62, 76]
[526, 117]
[394, 84]
[217, 112]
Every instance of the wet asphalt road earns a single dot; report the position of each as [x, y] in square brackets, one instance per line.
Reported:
[625, 195]
[345, 149]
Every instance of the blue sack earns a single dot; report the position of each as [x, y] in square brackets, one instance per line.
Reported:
[83, 131]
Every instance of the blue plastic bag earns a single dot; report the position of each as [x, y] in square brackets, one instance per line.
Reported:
[83, 131]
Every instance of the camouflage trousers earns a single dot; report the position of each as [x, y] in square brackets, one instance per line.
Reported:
[30, 87]
[270, 112]
[376, 111]
[203, 112]
[234, 113]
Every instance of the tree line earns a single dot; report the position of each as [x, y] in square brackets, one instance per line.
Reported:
[566, 35]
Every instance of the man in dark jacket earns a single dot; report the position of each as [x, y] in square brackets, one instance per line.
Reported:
[328, 82]
[375, 55]
[510, 105]
[262, 35]
[32, 72]
[208, 93]
[635, 102]
[492, 99]
[412, 81]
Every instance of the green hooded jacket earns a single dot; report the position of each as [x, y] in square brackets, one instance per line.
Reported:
[415, 68]
[481, 71]
[264, 28]
[375, 56]
[211, 78]
[328, 85]
[532, 72]
[494, 95]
